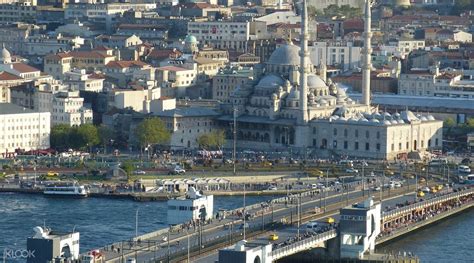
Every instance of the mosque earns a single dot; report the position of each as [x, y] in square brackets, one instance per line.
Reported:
[293, 105]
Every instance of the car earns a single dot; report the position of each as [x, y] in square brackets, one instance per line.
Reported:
[352, 170]
[272, 188]
[421, 194]
[273, 237]
[422, 180]
[139, 172]
[376, 188]
[398, 184]
[177, 170]
[464, 169]
[426, 189]
[466, 161]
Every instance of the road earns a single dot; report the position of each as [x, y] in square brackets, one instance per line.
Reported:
[217, 233]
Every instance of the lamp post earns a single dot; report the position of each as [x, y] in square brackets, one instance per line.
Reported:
[136, 223]
[235, 139]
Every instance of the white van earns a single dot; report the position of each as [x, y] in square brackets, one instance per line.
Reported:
[348, 163]
[464, 169]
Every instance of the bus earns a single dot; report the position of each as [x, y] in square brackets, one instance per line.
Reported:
[468, 179]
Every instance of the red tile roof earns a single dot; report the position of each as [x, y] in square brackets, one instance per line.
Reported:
[126, 64]
[172, 68]
[8, 76]
[24, 68]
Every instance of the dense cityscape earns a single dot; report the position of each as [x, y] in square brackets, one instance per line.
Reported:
[223, 131]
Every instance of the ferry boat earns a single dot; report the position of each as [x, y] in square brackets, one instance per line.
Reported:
[72, 190]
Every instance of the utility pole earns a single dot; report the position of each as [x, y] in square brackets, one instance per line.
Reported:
[136, 224]
[187, 235]
[298, 214]
[235, 139]
[168, 239]
[245, 213]
[326, 189]
[416, 186]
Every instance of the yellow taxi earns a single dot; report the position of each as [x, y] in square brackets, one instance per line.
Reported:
[273, 237]
[330, 220]
[434, 189]
[440, 187]
[421, 194]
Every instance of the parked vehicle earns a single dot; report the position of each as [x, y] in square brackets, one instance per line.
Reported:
[464, 169]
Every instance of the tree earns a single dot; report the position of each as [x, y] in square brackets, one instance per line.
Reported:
[88, 135]
[152, 131]
[59, 137]
[128, 167]
[105, 135]
[449, 122]
[215, 139]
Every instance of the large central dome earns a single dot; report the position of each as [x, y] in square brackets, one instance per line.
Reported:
[285, 55]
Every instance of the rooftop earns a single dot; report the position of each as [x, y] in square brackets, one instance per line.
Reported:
[187, 112]
[9, 108]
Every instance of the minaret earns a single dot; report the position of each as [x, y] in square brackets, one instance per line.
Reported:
[304, 59]
[366, 56]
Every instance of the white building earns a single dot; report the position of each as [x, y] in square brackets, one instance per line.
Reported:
[174, 80]
[68, 108]
[78, 79]
[194, 206]
[343, 55]
[403, 47]
[187, 125]
[41, 45]
[227, 34]
[22, 128]
[434, 83]
[139, 100]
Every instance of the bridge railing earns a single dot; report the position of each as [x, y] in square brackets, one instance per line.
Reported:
[302, 244]
[429, 202]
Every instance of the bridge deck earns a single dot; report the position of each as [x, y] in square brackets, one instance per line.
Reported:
[302, 245]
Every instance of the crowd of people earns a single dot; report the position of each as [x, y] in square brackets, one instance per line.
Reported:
[306, 235]
[427, 214]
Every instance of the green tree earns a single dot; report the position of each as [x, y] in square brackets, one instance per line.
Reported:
[449, 122]
[105, 135]
[204, 141]
[152, 131]
[88, 135]
[128, 167]
[59, 137]
[215, 139]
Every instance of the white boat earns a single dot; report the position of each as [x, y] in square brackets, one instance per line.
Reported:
[73, 190]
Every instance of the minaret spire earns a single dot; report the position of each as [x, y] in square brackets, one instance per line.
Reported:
[367, 52]
[304, 59]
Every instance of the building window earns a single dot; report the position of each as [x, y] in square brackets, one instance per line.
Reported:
[335, 132]
[378, 135]
[367, 146]
[345, 133]
[357, 133]
[345, 144]
[408, 145]
[356, 146]
[378, 146]
[436, 142]
[334, 144]
[367, 134]
[393, 147]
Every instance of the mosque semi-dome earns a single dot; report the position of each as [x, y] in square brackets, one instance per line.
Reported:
[271, 81]
[285, 55]
[315, 81]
